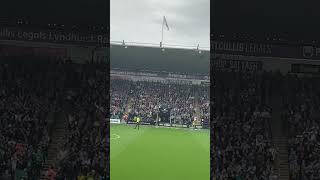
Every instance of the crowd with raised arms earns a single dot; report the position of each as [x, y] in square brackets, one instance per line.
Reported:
[241, 137]
[302, 114]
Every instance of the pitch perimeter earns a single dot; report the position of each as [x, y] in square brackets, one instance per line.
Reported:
[159, 153]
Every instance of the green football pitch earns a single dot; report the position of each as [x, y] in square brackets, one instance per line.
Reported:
[158, 153]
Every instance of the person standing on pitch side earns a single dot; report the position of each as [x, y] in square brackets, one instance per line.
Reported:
[137, 122]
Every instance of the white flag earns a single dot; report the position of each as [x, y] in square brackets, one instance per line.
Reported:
[165, 22]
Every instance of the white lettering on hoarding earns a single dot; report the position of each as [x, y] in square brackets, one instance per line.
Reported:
[52, 36]
[240, 47]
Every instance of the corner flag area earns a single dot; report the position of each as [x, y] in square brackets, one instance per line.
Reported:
[158, 153]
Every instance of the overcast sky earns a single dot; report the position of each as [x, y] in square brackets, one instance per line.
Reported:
[141, 21]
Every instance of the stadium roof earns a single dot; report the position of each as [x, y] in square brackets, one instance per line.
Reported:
[152, 58]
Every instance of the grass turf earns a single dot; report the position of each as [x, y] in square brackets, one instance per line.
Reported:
[158, 153]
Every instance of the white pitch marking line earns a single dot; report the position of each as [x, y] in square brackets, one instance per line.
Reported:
[115, 136]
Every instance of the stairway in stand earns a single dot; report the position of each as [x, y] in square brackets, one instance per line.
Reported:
[197, 106]
[59, 131]
[128, 106]
[283, 166]
[280, 140]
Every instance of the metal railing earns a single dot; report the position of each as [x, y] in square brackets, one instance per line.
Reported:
[160, 45]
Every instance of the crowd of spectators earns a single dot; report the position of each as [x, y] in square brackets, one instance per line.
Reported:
[85, 151]
[302, 114]
[204, 103]
[32, 89]
[241, 145]
[146, 98]
[24, 123]
[241, 140]
[119, 90]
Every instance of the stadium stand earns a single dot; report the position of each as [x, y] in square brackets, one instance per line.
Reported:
[266, 125]
[119, 90]
[162, 87]
[42, 133]
[242, 146]
[301, 114]
[24, 123]
[146, 98]
[35, 106]
[162, 91]
[86, 142]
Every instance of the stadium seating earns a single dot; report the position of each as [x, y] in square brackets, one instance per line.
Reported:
[240, 132]
[146, 99]
[301, 112]
[86, 143]
[34, 91]
[243, 144]
[24, 119]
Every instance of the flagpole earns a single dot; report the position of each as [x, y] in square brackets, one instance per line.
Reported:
[162, 31]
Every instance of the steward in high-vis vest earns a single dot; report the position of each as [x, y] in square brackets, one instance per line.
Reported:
[137, 122]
